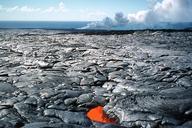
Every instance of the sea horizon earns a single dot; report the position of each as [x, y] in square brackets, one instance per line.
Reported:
[91, 25]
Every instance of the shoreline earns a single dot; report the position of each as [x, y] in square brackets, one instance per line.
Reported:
[99, 32]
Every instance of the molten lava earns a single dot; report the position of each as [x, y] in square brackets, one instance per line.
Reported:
[98, 115]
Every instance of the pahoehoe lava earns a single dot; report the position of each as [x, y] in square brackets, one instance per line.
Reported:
[51, 78]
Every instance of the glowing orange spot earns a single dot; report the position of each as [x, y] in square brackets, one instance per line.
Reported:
[98, 115]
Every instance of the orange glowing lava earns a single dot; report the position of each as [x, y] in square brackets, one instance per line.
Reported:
[98, 115]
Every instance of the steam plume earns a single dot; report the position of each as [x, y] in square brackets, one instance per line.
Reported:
[165, 11]
[106, 23]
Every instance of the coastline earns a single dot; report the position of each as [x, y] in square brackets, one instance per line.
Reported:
[98, 31]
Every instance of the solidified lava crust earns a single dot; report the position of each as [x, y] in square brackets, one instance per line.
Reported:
[50, 79]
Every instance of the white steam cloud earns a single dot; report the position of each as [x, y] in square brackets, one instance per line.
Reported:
[164, 11]
[118, 20]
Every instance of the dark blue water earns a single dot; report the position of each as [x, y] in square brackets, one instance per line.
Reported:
[86, 25]
[42, 24]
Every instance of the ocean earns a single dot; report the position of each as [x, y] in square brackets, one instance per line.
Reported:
[90, 25]
[42, 24]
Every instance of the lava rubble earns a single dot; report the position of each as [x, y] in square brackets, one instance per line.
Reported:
[52, 79]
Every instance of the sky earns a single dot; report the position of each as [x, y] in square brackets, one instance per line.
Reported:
[68, 10]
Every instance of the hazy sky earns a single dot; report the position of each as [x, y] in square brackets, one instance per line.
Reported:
[68, 10]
